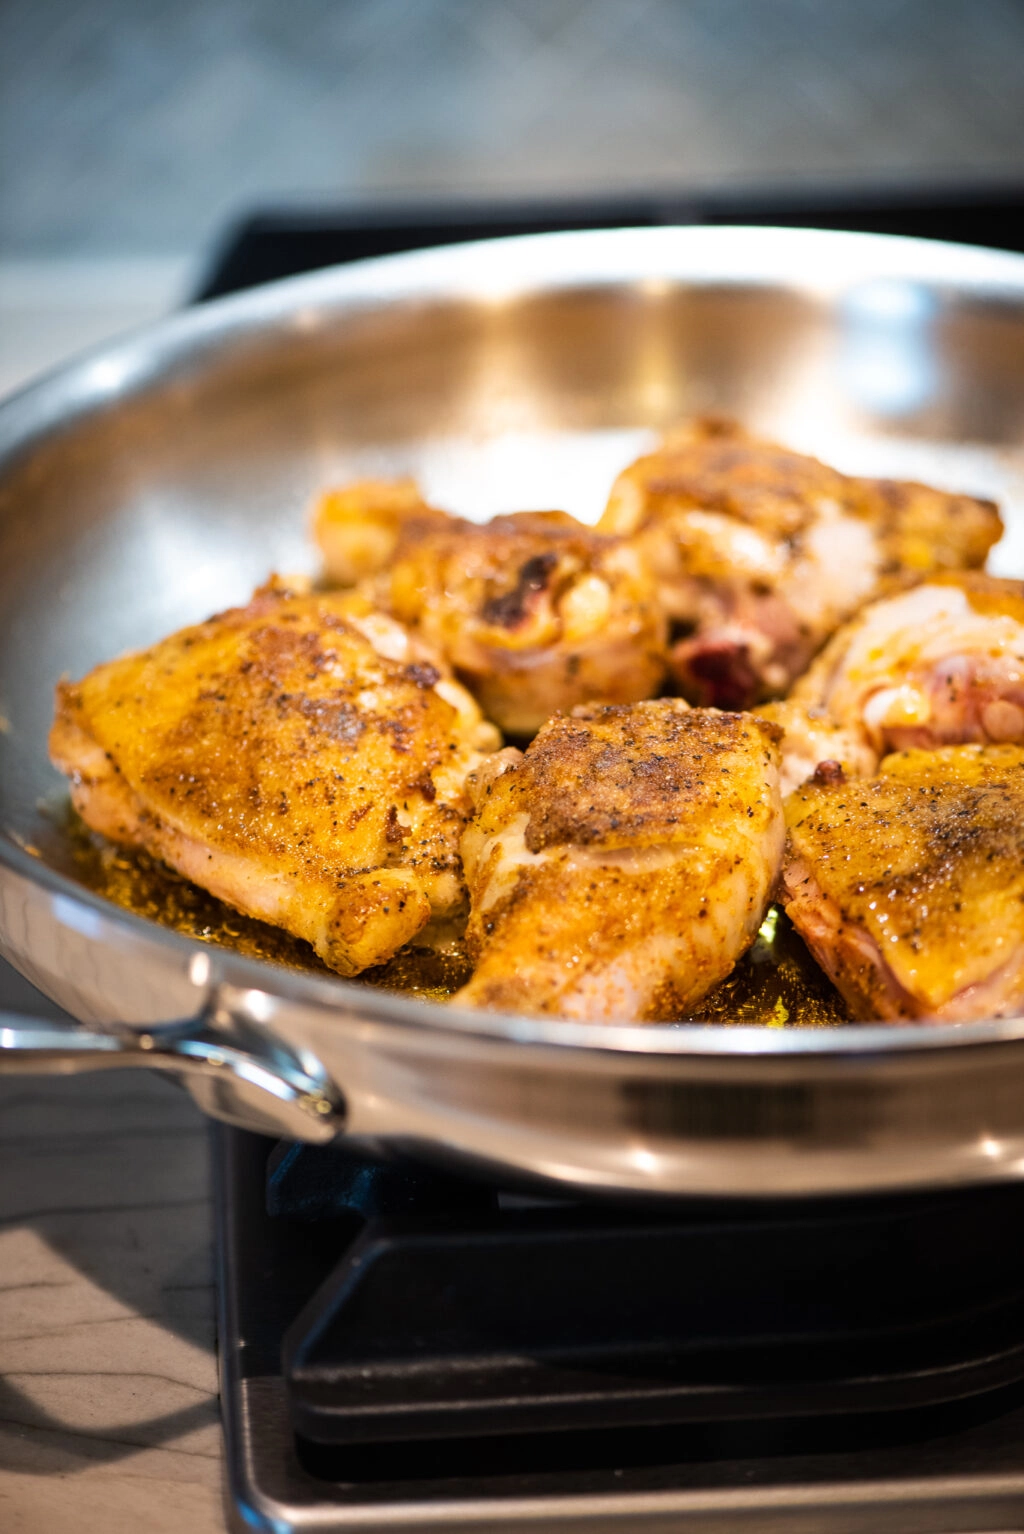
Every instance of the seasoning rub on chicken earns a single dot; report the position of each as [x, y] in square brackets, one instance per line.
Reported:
[760, 553]
[303, 764]
[908, 888]
[619, 867]
[534, 611]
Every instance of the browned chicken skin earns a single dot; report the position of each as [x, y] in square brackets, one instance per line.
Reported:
[942, 664]
[620, 867]
[305, 758]
[761, 552]
[358, 526]
[304, 766]
[534, 611]
[908, 888]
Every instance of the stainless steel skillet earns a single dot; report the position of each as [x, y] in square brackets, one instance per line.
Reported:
[160, 478]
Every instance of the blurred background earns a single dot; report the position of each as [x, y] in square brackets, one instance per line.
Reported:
[134, 133]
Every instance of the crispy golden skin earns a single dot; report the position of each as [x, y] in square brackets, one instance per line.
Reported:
[300, 764]
[358, 526]
[620, 867]
[908, 888]
[761, 552]
[534, 611]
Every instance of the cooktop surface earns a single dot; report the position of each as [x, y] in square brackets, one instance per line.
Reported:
[405, 1349]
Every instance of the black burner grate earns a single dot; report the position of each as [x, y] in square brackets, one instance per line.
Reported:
[439, 1398]
[443, 1316]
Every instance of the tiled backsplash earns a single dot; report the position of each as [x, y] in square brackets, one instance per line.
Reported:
[128, 127]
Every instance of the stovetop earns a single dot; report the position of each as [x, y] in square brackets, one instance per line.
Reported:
[279, 242]
[404, 1349]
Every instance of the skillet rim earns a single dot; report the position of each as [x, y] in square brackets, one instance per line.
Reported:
[723, 255]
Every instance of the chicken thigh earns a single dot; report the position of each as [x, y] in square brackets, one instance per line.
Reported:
[942, 664]
[760, 553]
[534, 611]
[908, 888]
[300, 763]
[620, 867]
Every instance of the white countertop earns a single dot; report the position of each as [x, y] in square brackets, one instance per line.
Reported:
[52, 309]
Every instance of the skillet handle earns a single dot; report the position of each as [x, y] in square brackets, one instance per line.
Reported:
[269, 1095]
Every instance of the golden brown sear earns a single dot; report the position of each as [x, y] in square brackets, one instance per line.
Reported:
[317, 762]
[358, 526]
[303, 765]
[908, 888]
[534, 611]
[619, 867]
[760, 552]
